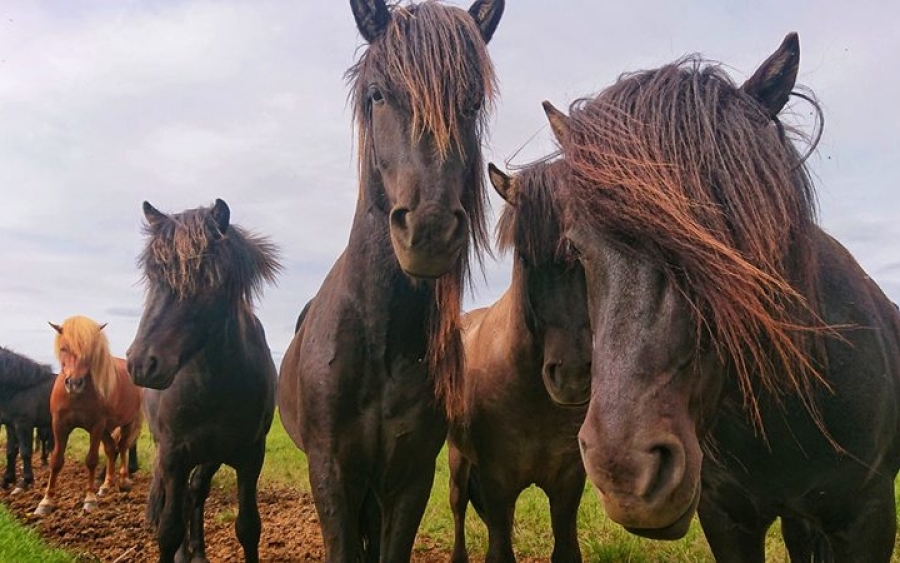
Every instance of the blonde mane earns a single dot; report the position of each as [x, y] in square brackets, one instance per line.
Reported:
[85, 339]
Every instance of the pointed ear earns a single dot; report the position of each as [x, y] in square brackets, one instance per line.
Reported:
[372, 18]
[502, 184]
[102, 327]
[154, 216]
[222, 215]
[486, 14]
[773, 81]
[559, 122]
[56, 327]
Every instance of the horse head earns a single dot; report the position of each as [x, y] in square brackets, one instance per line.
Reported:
[420, 91]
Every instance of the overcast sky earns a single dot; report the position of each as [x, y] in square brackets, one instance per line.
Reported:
[104, 104]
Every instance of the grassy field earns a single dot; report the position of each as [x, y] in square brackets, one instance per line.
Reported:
[602, 541]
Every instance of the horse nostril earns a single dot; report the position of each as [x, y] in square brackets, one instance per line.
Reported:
[400, 219]
[151, 365]
[664, 471]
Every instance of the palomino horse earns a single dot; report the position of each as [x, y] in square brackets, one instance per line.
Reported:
[24, 406]
[364, 384]
[203, 355]
[93, 392]
[743, 361]
[533, 343]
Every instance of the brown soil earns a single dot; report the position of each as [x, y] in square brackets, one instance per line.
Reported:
[117, 531]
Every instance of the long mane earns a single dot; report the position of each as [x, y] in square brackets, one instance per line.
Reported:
[682, 165]
[433, 61]
[85, 339]
[20, 372]
[190, 256]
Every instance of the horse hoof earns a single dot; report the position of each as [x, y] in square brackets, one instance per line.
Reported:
[17, 491]
[44, 508]
[90, 505]
[126, 485]
[103, 490]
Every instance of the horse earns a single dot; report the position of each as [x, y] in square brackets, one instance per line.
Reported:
[744, 365]
[93, 392]
[202, 354]
[523, 355]
[24, 407]
[364, 386]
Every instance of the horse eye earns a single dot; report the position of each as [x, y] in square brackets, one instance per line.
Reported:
[571, 250]
[374, 94]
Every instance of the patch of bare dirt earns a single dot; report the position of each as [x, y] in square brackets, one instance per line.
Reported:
[118, 533]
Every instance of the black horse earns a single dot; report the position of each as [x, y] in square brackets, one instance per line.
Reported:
[744, 365]
[24, 406]
[203, 355]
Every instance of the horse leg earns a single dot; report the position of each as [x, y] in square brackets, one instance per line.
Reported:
[498, 510]
[57, 459]
[338, 503]
[90, 464]
[133, 465]
[194, 548]
[565, 497]
[25, 436]
[171, 527]
[459, 502]
[12, 450]
[799, 538]
[865, 530]
[734, 539]
[45, 437]
[248, 525]
[402, 514]
[126, 448]
[111, 451]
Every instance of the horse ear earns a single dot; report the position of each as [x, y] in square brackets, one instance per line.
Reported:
[372, 18]
[773, 81]
[502, 184]
[102, 327]
[486, 14]
[154, 216]
[221, 214]
[559, 123]
[56, 327]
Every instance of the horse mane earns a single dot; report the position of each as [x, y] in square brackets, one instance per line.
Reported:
[683, 164]
[85, 339]
[432, 60]
[191, 257]
[531, 224]
[20, 372]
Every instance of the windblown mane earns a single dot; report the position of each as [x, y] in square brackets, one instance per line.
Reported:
[86, 340]
[433, 61]
[190, 256]
[683, 164]
[532, 223]
[20, 372]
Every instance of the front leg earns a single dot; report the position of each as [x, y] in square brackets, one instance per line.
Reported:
[25, 437]
[198, 491]
[111, 451]
[173, 483]
[248, 525]
[12, 450]
[57, 458]
[90, 464]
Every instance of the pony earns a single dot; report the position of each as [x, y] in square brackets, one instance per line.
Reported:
[744, 365]
[202, 354]
[93, 392]
[365, 385]
[524, 353]
[24, 407]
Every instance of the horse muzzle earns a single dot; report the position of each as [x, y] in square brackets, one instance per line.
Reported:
[74, 385]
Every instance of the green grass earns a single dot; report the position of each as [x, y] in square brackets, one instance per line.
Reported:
[19, 543]
[602, 541]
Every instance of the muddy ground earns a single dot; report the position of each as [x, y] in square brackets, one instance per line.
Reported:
[117, 531]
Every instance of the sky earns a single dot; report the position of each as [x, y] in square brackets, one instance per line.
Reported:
[105, 104]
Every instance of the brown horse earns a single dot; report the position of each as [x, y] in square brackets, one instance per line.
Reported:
[731, 333]
[203, 355]
[364, 384]
[534, 343]
[93, 392]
